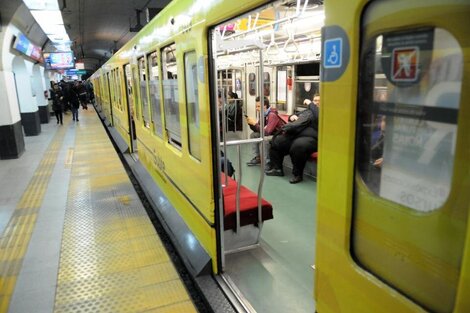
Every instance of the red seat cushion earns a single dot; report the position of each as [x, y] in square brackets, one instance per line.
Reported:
[248, 205]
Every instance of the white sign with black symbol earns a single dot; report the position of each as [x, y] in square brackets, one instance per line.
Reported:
[421, 118]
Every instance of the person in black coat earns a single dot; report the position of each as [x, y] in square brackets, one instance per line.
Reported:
[299, 140]
[83, 95]
[75, 101]
[57, 102]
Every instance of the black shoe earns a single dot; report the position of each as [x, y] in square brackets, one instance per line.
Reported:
[74, 119]
[296, 179]
[77, 119]
[57, 122]
[275, 172]
[254, 161]
[269, 167]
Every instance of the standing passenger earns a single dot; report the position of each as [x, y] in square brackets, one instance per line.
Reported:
[75, 101]
[57, 102]
[82, 93]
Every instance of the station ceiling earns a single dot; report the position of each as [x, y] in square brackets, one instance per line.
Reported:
[99, 28]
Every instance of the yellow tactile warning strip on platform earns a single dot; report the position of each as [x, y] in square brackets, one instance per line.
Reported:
[15, 239]
[111, 259]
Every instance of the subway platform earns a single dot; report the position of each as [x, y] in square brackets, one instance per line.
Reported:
[75, 237]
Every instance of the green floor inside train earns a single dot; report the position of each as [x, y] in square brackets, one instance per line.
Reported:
[277, 276]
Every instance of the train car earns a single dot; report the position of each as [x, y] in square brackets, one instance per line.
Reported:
[393, 185]
[389, 232]
[175, 98]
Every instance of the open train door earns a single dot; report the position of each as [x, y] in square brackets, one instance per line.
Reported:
[130, 106]
[266, 263]
[396, 238]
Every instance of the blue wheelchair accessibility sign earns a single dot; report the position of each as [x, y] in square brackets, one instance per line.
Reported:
[332, 53]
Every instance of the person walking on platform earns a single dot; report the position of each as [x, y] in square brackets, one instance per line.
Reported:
[66, 87]
[57, 102]
[82, 93]
[75, 101]
[89, 89]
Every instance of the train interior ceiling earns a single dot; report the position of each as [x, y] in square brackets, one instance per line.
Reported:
[284, 38]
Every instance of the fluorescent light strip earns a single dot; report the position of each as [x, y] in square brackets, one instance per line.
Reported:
[50, 29]
[42, 4]
[47, 17]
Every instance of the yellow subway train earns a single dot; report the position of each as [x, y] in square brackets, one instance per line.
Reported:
[379, 222]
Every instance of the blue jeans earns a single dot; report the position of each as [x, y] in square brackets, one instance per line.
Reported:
[256, 147]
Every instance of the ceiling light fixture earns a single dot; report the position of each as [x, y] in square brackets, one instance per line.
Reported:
[49, 18]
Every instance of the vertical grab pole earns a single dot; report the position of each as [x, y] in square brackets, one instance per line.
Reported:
[221, 192]
[261, 133]
[224, 139]
[237, 201]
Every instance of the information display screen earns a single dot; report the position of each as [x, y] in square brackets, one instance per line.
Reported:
[23, 45]
[59, 60]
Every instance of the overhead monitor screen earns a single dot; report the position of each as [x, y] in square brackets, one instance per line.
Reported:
[59, 60]
[23, 45]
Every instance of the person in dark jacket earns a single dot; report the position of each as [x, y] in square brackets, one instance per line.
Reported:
[57, 102]
[299, 140]
[74, 99]
[83, 95]
[66, 88]
[272, 124]
[233, 112]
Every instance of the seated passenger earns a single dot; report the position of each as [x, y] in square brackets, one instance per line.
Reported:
[377, 147]
[376, 155]
[272, 125]
[233, 112]
[299, 140]
[230, 169]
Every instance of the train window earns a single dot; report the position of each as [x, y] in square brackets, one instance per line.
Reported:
[117, 80]
[154, 83]
[115, 90]
[170, 95]
[113, 87]
[408, 228]
[281, 87]
[143, 92]
[252, 84]
[106, 90]
[109, 82]
[267, 84]
[408, 117]
[130, 95]
[192, 104]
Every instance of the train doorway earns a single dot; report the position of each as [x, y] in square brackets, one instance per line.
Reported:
[130, 107]
[268, 266]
